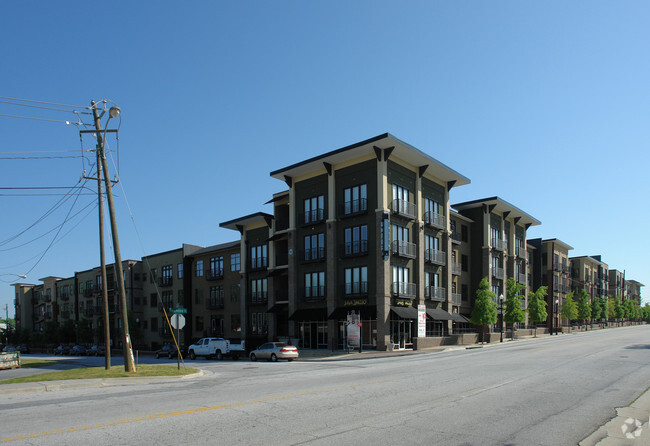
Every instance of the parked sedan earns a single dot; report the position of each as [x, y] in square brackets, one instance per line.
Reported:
[78, 350]
[97, 350]
[168, 350]
[274, 351]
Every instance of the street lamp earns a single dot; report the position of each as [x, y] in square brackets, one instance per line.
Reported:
[501, 322]
[557, 310]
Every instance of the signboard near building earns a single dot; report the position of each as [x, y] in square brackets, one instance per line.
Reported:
[353, 331]
[422, 321]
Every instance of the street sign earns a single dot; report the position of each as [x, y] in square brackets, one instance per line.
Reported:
[177, 321]
[178, 310]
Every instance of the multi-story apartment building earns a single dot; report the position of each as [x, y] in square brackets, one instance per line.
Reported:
[634, 290]
[499, 248]
[553, 270]
[460, 227]
[617, 283]
[364, 228]
[163, 286]
[90, 301]
[215, 295]
[64, 305]
[589, 273]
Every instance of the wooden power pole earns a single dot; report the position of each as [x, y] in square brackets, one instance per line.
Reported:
[129, 361]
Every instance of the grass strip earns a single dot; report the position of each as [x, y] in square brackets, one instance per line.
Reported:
[117, 371]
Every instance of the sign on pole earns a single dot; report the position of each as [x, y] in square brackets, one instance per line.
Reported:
[178, 310]
[353, 325]
[177, 321]
[422, 321]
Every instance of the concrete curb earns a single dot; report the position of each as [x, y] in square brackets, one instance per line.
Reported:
[630, 426]
[51, 386]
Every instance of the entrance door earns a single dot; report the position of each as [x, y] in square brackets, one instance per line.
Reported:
[401, 333]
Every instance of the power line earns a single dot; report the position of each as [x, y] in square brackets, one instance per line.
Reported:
[48, 103]
[42, 119]
[44, 108]
[39, 157]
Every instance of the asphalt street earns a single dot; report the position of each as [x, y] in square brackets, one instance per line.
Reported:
[550, 391]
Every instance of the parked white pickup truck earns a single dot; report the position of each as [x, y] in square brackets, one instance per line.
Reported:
[218, 348]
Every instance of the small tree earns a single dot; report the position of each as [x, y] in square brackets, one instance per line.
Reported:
[611, 308]
[537, 306]
[618, 309]
[596, 309]
[513, 312]
[569, 308]
[584, 307]
[484, 312]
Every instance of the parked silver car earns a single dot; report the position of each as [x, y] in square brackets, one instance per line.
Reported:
[274, 351]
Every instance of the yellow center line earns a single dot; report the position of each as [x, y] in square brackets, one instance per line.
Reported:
[189, 411]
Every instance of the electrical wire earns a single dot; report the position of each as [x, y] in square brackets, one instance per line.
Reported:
[44, 108]
[41, 119]
[51, 230]
[43, 102]
[39, 157]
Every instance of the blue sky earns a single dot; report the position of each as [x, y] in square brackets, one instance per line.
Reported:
[545, 104]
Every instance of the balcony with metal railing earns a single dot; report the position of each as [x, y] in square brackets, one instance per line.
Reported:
[456, 269]
[214, 274]
[314, 293]
[498, 244]
[355, 289]
[403, 208]
[354, 207]
[357, 248]
[435, 220]
[89, 291]
[258, 297]
[521, 278]
[165, 281]
[436, 293]
[214, 304]
[403, 249]
[498, 273]
[435, 256]
[520, 252]
[314, 254]
[456, 299]
[311, 217]
[456, 237]
[403, 289]
[258, 263]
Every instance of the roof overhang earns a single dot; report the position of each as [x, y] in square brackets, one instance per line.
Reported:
[557, 241]
[241, 223]
[399, 149]
[499, 205]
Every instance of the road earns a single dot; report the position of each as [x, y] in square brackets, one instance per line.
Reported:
[550, 391]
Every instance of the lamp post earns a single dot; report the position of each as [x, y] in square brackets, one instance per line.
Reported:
[501, 311]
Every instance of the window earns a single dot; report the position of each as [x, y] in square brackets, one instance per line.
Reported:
[356, 240]
[464, 233]
[199, 323]
[401, 204]
[235, 323]
[258, 323]
[198, 296]
[356, 280]
[235, 262]
[216, 267]
[168, 298]
[198, 268]
[153, 300]
[181, 298]
[259, 291]
[432, 213]
[355, 199]
[98, 281]
[400, 233]
[259, 256]
[167, 275]
[216, 297]
[315, 284]
[216, 325]
[495, 236]
[315, 209]
[315, 246]
[154, 324]
[401, 285]
[180, 270]
[235, 291]
[464, 262]
[464, 292]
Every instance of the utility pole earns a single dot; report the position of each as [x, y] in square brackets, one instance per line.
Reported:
[129, 361]
[100, 197]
